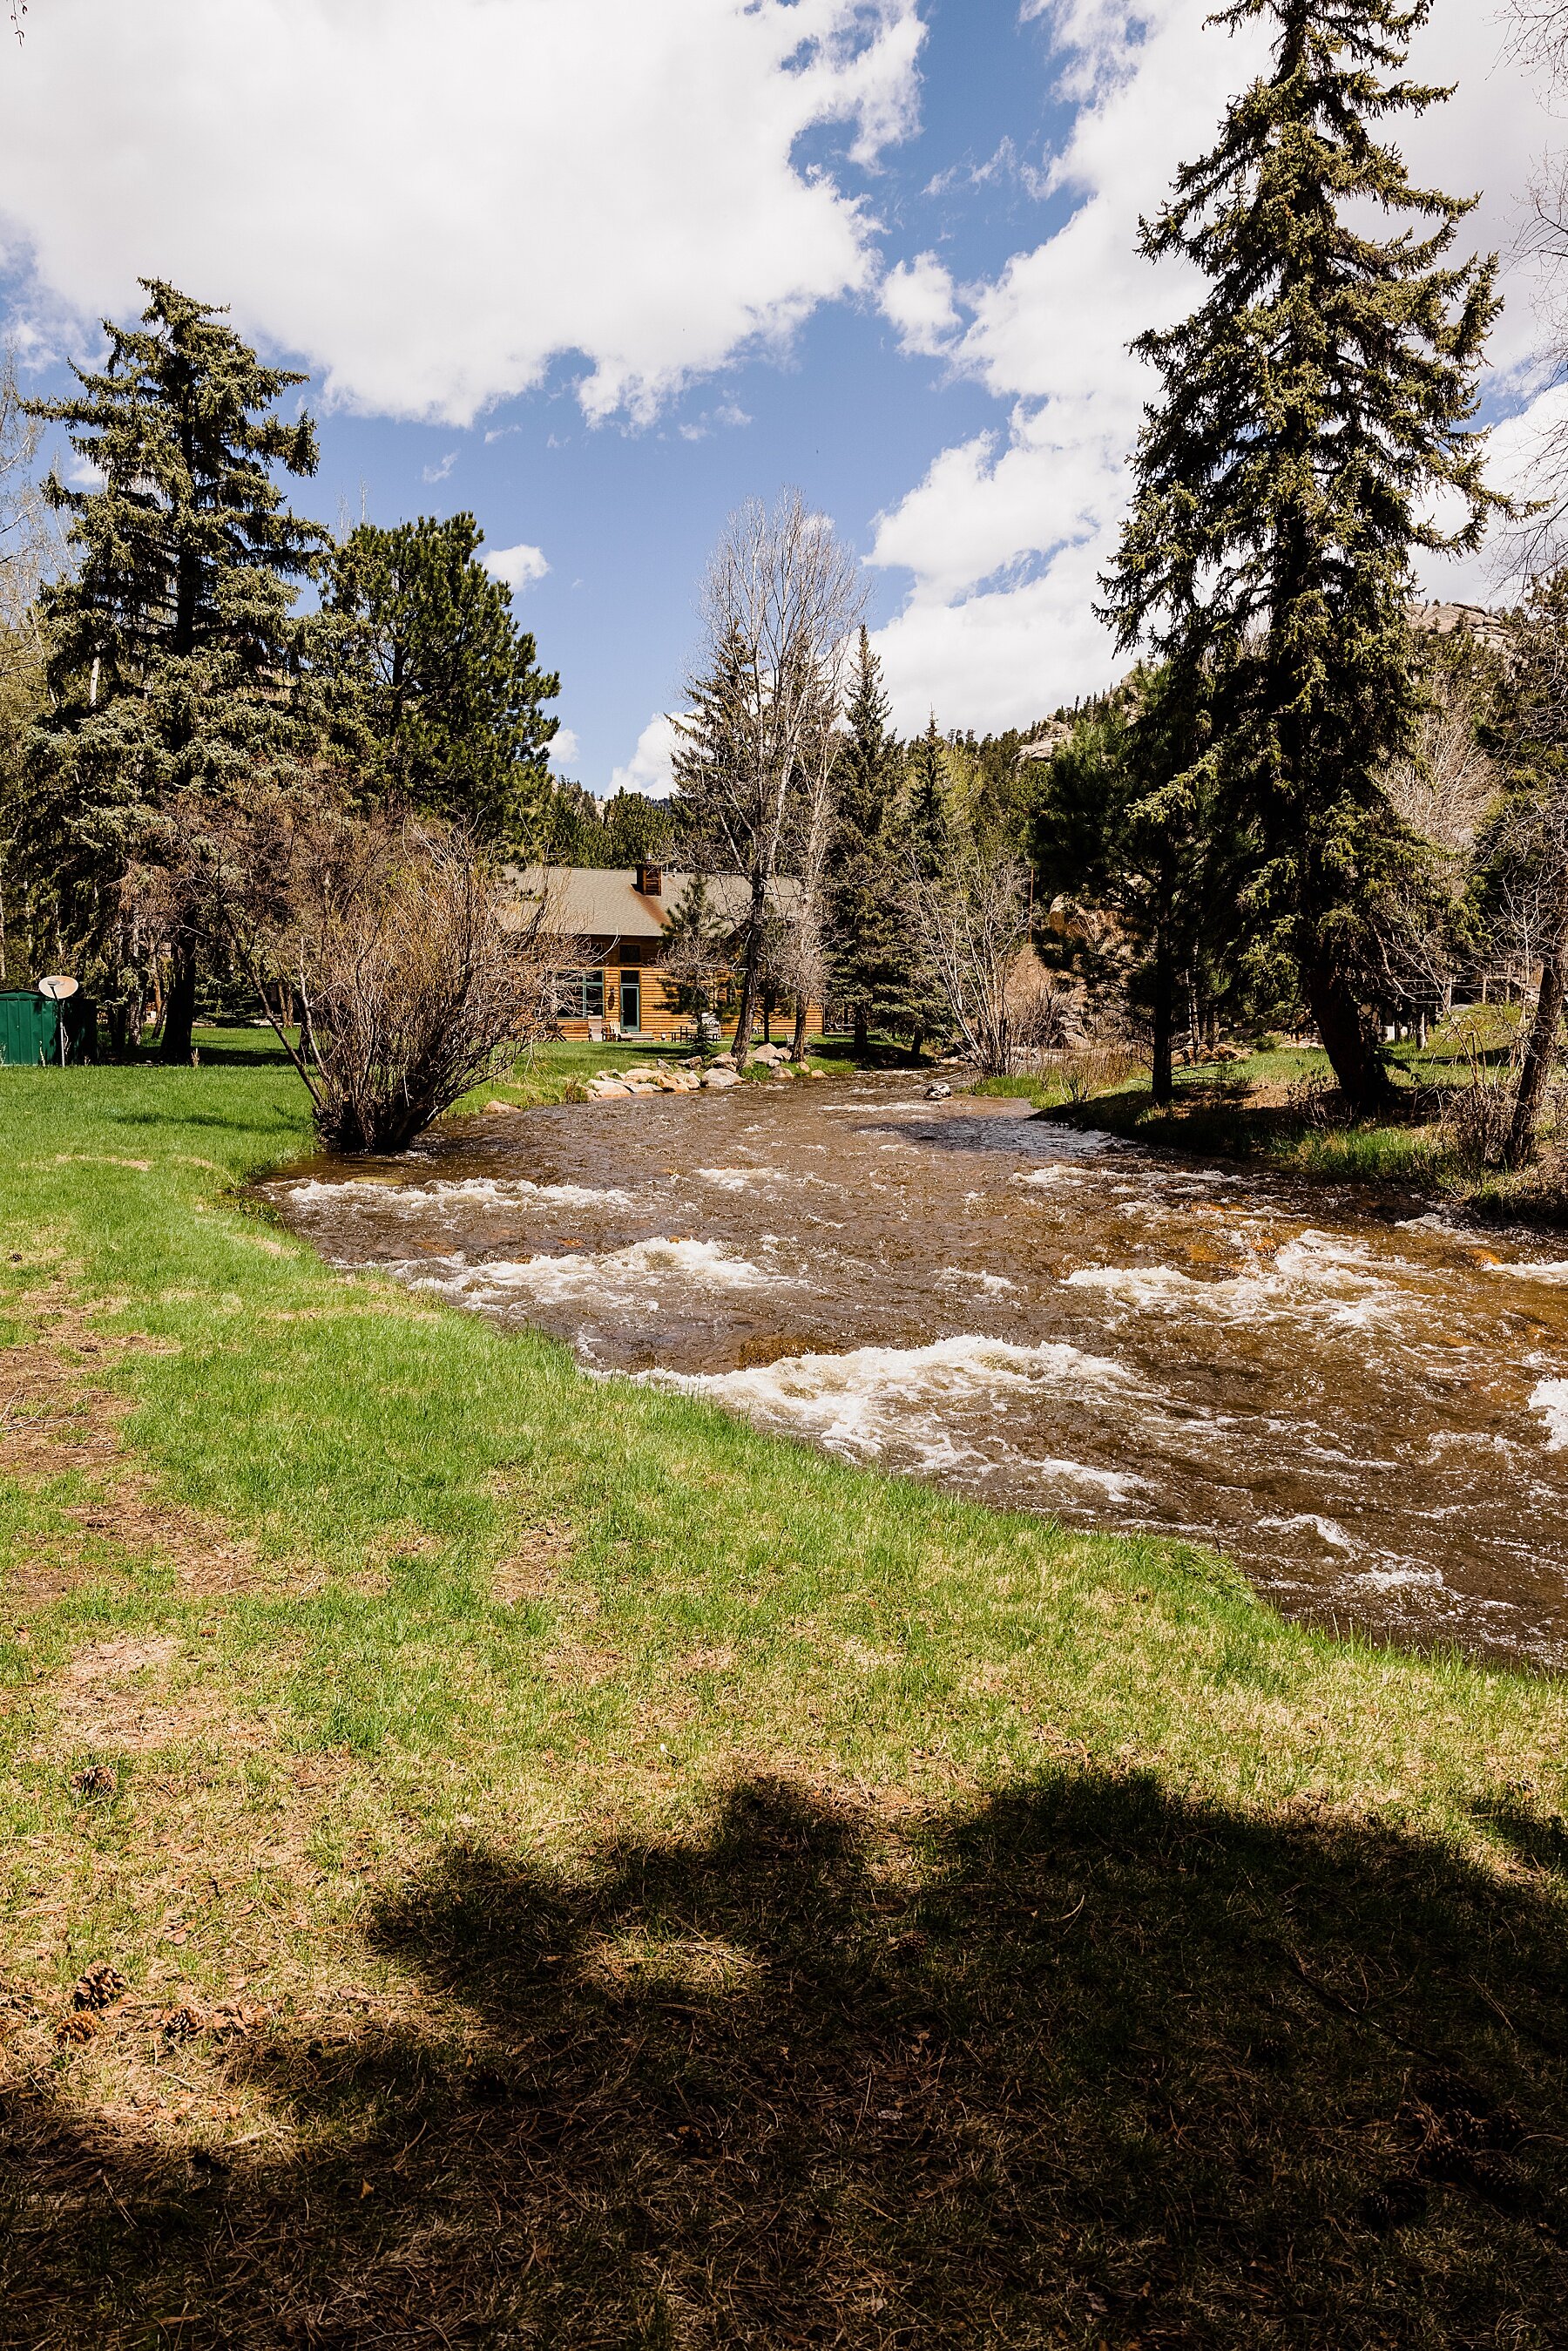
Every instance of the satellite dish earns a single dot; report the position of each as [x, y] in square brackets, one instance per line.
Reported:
[58, 988]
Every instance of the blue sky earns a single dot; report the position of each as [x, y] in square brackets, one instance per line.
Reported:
[598, 270]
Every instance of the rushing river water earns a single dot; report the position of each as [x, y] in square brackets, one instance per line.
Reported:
[1370, 1413]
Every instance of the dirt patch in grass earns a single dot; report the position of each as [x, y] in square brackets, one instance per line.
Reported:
[55, 1417]
[575, 1665]
[110, 1698]
[533, 1568]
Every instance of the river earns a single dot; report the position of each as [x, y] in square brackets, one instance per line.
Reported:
[1366, 1409]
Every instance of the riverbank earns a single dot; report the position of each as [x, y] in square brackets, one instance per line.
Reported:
[1280, 1110]
[576, 1865]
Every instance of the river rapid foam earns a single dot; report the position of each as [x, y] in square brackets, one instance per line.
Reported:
[1368, 1411]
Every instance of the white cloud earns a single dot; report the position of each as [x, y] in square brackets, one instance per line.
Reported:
[916, 297]
[517, 567]
[1005, 535]
[432, 206]
[564, 747]
[650, 768]
[438, 473]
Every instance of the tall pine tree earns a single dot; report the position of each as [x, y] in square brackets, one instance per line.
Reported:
[435, 685]
[171, 642]
[927, 822]
[1310, 410]
[866, 953]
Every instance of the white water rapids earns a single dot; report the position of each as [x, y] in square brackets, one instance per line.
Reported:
[1366, 1406]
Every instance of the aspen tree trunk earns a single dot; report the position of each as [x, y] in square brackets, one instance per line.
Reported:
[1542, 1050]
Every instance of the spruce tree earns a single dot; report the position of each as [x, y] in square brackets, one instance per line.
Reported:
[927, 823]
[866, 963]
[1310, 410]
[171, 642]
[435, 683]
[1124, 822]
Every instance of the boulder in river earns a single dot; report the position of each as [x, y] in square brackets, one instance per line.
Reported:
[718, 1077]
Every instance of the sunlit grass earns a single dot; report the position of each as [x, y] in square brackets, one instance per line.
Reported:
[403, 1586]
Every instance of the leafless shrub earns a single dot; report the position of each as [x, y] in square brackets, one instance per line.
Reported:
[1316, 1100]
[1042, 1008]
[1476, 1118]
[1101, 1069]
[413, 974]
[411, 966]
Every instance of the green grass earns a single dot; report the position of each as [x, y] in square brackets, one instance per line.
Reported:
[586, 1873]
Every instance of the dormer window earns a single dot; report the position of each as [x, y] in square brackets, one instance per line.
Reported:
[650, 881]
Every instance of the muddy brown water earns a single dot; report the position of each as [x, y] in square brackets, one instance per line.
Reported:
[1368, 1412]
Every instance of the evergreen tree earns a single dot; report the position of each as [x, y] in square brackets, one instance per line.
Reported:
[928, 816]
[927, 823]
[1310, 410]
[637, 829]
[572, 833]
[1127, 823]
[171, 643]
[866, 954]
[434, 679]
[695, 953]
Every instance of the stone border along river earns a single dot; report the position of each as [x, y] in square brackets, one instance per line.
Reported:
[1368, 1413]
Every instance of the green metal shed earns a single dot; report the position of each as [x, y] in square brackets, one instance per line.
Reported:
[30, 1026]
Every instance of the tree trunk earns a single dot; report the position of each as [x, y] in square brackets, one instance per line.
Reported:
[1164, 1084]
[1542, 1050]
[743, 1045]
[862, 1029]
[767, 1015]
[1350, 1038]
[180, 1012]
[797, 1043]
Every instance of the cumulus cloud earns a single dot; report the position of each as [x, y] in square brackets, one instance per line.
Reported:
[916, 297]
[564, 747]
[1005, 535]
[516, 566]
[651, 767]
[431, 208]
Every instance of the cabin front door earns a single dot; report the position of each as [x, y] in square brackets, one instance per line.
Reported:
[630, 1004]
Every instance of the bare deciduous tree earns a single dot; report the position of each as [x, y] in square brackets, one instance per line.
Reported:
[971, 916]
[781, 598]
[803, 950]
[411, 964]
[1539, 39]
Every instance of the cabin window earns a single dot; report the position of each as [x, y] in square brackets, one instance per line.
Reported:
[581, 996]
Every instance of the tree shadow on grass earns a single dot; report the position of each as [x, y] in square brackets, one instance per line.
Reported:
[1107, 2067]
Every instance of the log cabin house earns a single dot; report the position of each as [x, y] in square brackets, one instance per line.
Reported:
[616, 918]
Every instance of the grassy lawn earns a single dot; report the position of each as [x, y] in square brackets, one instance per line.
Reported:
[579, 1872]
